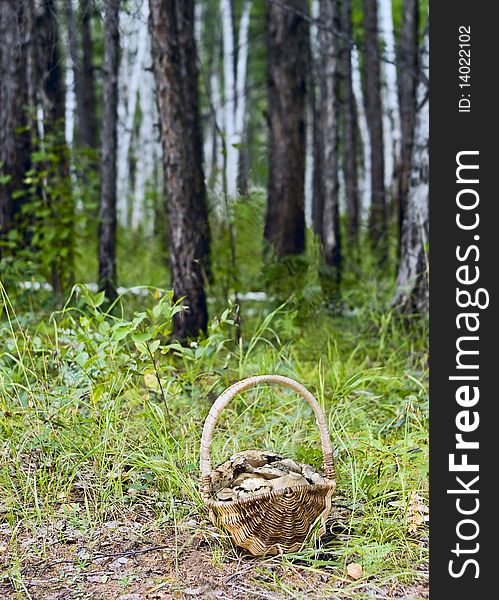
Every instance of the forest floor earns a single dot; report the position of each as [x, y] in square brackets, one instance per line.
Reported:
[136, 558]
[100, 422]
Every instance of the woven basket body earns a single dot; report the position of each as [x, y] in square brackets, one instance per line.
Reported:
[277, 521]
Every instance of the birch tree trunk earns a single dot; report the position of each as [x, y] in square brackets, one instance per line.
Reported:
[15, 142]
[145, 146]
[174, 62]
[234, 65]
[317, 184]
[73, 79]
[349, 126]
[378, 214]
[329, 45]
[287, 36]
[365, 135]
[241, 100]
[217, 180]
[107, 210]
[391, 116]
[135, 78]
[128, 46]
[412, 295]
[408, 73]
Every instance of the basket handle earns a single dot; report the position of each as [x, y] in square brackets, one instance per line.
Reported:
[222, 401]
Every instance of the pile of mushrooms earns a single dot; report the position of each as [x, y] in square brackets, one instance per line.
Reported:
[254, 472]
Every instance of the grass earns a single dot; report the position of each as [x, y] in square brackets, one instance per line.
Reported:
[101, 415]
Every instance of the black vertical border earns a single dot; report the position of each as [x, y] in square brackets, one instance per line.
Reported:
[451, 132]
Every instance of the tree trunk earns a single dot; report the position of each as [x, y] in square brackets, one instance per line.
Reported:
[51, 85]
[57, 191]
[107, 210]
[349, 126]
[391, 116]
[412, 293]
[187, 42]
[241, 100]
[407, 77]
[287, 37]
[74, 52]
[15, 140]
[329, 46]
[86, 133]
[365, 136]
[315, 115]
[378, 216]
[88, 127]
[134, 75]
[175, 70]
[146, 145]
[235, 58]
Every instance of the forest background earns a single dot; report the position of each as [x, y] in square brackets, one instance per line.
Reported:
[191, 193]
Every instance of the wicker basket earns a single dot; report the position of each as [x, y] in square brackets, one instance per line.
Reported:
[280, 520]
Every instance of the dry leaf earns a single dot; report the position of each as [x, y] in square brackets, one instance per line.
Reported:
[354, 570]
[416, 512]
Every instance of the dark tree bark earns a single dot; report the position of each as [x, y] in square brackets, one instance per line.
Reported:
[185, 19]
[53, 102]
[378, 214]
[407, 80]
[412, 295]
[15, 139]
[243, 166]
[89, 131]
[107, 209]
[317, 175]
[349, 125]
[86, 134]
[174, 63]
[287, 39]
[51, 86]
[329, 45]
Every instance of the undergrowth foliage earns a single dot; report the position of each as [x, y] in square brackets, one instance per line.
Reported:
[101, 410]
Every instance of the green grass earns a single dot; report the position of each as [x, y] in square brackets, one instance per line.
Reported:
[84, 419]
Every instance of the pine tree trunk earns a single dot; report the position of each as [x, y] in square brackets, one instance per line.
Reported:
[185, 18]
[408, 73]
[107, 210]
[88, 126]
[53, 102]
[175, 70]
[349, 126]
[378, 214]
[287, 37]
[15, 140]
[51, 85]
[412, 295]
[329, 45]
